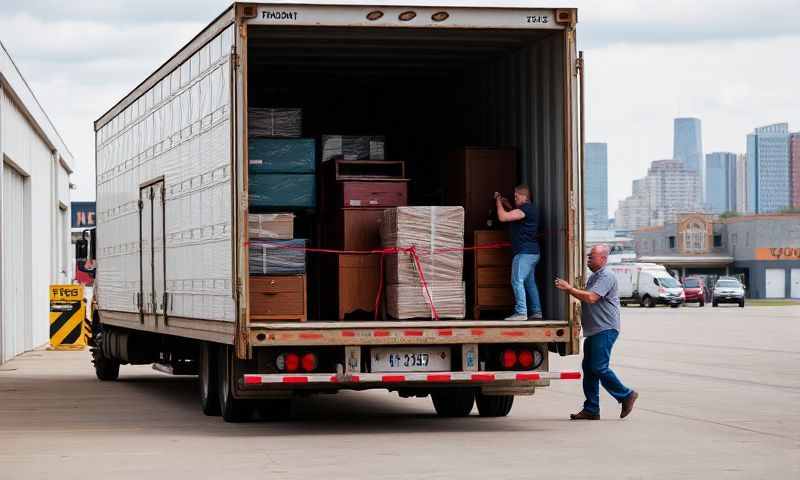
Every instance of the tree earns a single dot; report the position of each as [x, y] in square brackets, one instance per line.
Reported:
[729, 214]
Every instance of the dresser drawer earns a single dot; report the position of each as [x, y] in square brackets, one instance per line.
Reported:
[495, 257]
[289, 304]
[374, 194]
[277, 284]
[493, 276]
[495, 296]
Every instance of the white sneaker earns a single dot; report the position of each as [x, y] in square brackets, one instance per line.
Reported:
[535, 316]
[516, 317]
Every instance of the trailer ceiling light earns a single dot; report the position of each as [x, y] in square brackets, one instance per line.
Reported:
[374, 15]
[440, 16]
[407, 16]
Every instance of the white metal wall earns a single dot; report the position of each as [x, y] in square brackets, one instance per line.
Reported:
[17, 335]
[179, 130]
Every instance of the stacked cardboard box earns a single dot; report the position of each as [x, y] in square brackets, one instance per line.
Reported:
[275, 122]
[352, 147]
[270, 226]
[437, 234]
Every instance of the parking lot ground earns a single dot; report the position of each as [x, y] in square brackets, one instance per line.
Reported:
[720, 398]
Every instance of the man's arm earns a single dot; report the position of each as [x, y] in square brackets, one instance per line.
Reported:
[582, 295]
[507, 215]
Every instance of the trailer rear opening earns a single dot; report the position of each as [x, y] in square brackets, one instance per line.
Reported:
[431, 81]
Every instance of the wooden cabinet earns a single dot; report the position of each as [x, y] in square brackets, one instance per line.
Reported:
[373, 194]
[278, 298]
[492, 274]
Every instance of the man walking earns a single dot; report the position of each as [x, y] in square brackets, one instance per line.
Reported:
[524, 221]
[600, 319]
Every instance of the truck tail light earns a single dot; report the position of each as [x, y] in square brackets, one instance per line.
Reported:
[309, 362]
[509, 359]
[292, 361]
[525, 359]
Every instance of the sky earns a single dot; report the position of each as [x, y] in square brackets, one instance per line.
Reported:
[733, 66]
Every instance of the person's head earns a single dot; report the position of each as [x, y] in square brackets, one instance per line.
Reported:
[522, 194]
[597, 257]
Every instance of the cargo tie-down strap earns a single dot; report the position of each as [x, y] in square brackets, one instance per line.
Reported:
[410, 251]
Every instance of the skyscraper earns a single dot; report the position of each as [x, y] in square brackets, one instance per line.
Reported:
[768, 185]
[795, 160]
[596, 183]
[668, 190]
[741, 182]
[687, 145]
[721, 182]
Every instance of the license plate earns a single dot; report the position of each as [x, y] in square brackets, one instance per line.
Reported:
[411, 359]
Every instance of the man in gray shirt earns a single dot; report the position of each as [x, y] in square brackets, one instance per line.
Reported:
[600, 320]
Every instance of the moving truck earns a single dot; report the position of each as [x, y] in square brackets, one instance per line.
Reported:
[647, 284]
[172, 198]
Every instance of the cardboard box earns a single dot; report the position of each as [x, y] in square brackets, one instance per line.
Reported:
[410, 301]
[270, 226]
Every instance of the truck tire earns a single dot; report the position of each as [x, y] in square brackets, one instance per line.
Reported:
[741, 304]
[455, 402]
[209, 396]
[106, 369]
[232, 409]
[648, 302]
[494, 405]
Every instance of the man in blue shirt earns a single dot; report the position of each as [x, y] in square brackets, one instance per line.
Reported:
[600, 320]
[524, 220]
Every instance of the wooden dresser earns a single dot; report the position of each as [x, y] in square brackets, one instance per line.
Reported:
[492, 273]
[278, 298]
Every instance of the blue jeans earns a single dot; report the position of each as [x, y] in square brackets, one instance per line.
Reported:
[524, 284]
[596, 354]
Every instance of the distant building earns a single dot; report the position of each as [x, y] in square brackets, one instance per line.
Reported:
[794, 148]
[35, 168]
[596, 185]
[668, 189]
[687, 145]
[762, 250]
[721, 182]
[768, 185]
[741, 183]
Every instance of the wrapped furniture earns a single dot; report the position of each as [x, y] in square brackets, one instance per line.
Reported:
[353, 147]
[270, 226]
[277, 257]
[274, 122]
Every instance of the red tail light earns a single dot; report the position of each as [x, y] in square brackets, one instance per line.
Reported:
[526, 359]
[509, 359]
[292, 362]
[309, 362]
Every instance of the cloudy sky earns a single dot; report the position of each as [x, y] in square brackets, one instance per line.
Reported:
[647, 61]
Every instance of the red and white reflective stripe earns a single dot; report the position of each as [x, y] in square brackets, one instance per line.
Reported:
[428, 377]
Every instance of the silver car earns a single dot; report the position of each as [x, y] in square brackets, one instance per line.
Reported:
[728, 290]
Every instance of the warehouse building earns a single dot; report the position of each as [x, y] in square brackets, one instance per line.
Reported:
[762, 250]
[35, 204]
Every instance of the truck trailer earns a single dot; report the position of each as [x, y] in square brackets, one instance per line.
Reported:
[172, 259]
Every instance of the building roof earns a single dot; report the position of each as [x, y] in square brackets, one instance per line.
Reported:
[12, 81]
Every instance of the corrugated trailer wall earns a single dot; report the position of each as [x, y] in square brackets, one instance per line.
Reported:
[175, 136]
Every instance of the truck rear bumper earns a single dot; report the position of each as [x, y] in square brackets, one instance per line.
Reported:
[418, 378]
[263, 334]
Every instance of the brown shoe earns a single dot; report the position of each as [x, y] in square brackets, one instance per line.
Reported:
[627, 404]
[584, 415]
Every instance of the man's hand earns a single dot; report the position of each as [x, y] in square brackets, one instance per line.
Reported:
[506, 204]
[497, 195]
[563, 284]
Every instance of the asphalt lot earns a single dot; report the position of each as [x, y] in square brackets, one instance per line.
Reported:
[720, 398]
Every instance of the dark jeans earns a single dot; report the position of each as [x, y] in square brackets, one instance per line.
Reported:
[596, 354]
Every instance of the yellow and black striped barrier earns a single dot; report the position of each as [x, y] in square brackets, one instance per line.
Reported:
[67, 317]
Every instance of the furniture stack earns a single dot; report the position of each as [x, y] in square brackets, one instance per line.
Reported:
[492, 273]
[277, 264]
[356, 192]
[473, 175]
[437, 233]
[281, 167]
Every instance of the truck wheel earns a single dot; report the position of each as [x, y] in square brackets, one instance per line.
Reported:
[232, 409]
[648, 302]
[209, 396]
[741, 304]
[106, 369]
[494, 405]
[456, 402]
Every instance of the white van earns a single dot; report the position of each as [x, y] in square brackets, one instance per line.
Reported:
[647, 284]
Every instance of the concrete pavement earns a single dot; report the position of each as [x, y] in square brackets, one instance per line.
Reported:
[720, 398]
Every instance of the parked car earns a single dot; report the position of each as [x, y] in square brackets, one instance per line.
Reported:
[694, 289]
[728, 290]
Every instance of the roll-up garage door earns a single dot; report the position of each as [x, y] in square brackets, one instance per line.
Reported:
[15, 328]
[776, 283]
